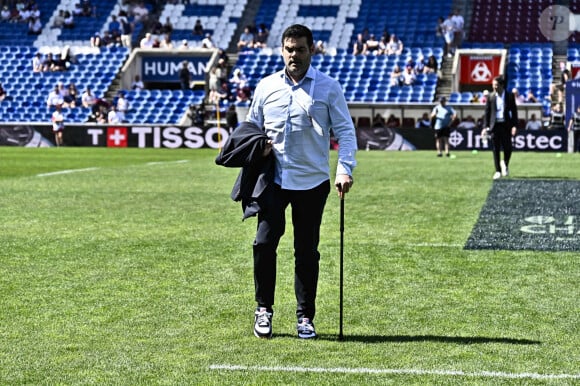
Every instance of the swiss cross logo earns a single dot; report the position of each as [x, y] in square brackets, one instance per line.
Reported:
[116, 137]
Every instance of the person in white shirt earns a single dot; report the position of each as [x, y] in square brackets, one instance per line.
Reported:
[207, 42]
[54, 98]
[147, 41]
[113, 116]
[137, 84]
[297, 107]
[533, 123]
[122, 106]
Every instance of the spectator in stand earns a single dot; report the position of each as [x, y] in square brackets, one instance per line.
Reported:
[535, 124]
[424, 122]
[184, 45]
[560, 87]
[214, 86]
[393, 121]
[34, 26]
[96, 40]
[54, 98]
[246, 39]
[319, 48]
[379, 121]
[261, 38]
[37, 62]
[358, 45]
[207, 42]
[167, 27]
[519, 98]
[122, 106]
[238, 78]
[69, 20]
[557, 120]
[5, 14]
[78, 10]
[88, 99]
[185, 75]
[394, 46]
[467, 123]
[383, 45]
[48, 63]
[87, 8]
[3, 94]
[419, 67]
[409, 77]
[113, 116]
[448, 28]
[115, 28]
[72, 96]
[148, 41]
[198, 28]
[59, 64]
[431, 67]
[140, 12]
[530, 97]
[458, 24]
[25, 14]
[63, 91]
[396, 76]
[59, 19]
[166, 42]
[137, 84]
[126, 29]
[371, 46]
[57, 120]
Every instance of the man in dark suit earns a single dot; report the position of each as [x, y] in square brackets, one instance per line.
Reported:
[500, 120]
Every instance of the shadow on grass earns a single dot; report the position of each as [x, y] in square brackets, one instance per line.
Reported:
[430, 338]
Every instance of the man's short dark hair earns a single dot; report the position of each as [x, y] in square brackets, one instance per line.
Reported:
[500, 80]
[298, 31]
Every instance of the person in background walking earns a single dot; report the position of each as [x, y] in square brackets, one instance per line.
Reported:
[443, 115]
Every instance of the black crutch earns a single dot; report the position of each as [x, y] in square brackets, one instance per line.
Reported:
[341, 263]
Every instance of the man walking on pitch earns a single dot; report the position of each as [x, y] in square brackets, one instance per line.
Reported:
[500, 120]
[297, 107]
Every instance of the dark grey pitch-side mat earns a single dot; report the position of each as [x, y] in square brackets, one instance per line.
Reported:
[529, 214]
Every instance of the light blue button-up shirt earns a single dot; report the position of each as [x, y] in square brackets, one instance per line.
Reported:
[298, 119]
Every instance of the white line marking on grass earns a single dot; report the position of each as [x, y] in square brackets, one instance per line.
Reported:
[443, 245]
[349, 370]
[168, 162]
[68, 171]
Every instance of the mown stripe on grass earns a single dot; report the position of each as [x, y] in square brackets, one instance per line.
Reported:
[68, 171]
[362, 370]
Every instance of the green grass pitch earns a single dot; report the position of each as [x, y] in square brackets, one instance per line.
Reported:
[132, 266]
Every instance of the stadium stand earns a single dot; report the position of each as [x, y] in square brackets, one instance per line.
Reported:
[364, 78]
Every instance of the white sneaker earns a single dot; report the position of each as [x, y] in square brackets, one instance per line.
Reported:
[263, 323]
[305, 329]
[504, 170]
[496, 175]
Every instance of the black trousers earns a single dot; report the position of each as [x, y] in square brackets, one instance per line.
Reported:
[501, 139]
[307, 208]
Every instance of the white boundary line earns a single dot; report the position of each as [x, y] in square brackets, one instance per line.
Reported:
[65, 172]
[435, 245]
[349, 370]
[167, 162]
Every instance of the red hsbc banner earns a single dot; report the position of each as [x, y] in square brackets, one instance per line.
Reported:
[479, 69]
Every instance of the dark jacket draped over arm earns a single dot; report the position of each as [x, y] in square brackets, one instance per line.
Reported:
[244, 149]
